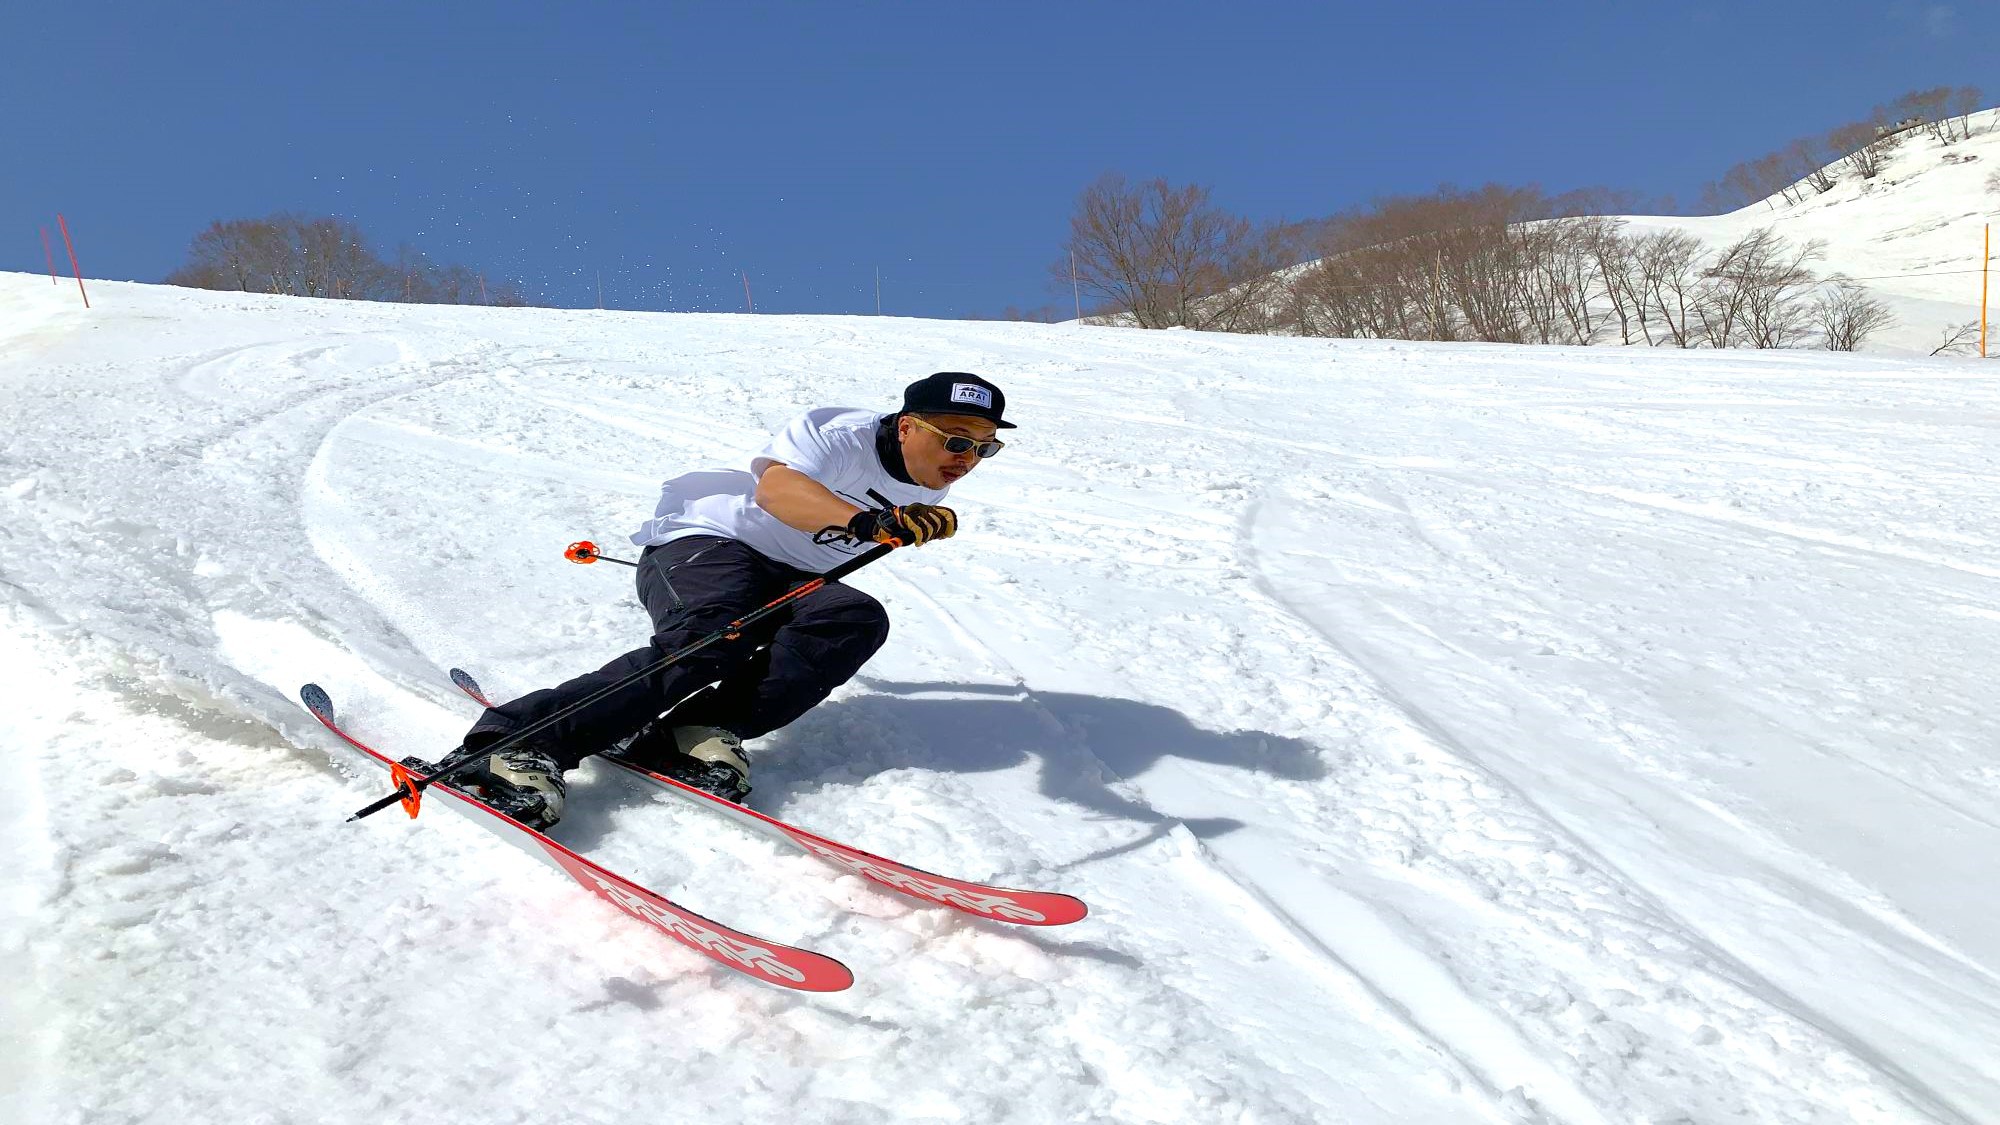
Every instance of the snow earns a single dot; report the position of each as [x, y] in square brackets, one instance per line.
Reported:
[1438, 733]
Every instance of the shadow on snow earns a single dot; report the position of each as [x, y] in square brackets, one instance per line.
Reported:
[1085, 745]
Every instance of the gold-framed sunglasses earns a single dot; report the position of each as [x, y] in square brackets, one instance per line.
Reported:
[956, 444]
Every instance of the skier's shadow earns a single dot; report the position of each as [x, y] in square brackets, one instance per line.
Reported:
[1085, 743]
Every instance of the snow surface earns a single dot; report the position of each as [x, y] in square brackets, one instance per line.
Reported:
[1438, 733]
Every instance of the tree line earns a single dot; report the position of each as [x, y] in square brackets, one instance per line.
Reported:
[302, 256]
[1499, 264]
[1813, 164]
[1485, 266]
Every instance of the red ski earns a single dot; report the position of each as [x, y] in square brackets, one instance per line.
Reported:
[782, 965]
[1001, 904]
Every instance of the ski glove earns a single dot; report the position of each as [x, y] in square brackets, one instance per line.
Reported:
[911, 525]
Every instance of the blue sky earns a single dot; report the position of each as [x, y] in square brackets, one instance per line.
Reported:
[671, 146]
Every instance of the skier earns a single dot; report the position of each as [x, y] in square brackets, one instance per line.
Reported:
[721, 543]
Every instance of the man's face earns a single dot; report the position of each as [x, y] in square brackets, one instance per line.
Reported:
[924, 454]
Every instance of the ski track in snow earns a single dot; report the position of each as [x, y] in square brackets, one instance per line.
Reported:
[1513, 735]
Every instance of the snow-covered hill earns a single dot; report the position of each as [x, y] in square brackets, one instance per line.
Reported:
[1438, 733]
[1914, 232]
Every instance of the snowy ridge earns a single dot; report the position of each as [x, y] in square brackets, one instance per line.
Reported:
[1438, 733]
[1914, 232]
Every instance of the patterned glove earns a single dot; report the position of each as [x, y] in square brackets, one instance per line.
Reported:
[911, 525]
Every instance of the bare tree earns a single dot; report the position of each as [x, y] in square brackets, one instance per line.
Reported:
[222, 256]
[1168, 257]
[1779, 308]
[1743, 185]
[1864, 148]
[1964, 103]
[1808, 165]
[409, 277]
[1560, 271]
[295, 255]
[1359, 292]
[1958, 338]
[1775, 178]
[1848, 315]
[1668, 285]
[1756, 292]
[1506, 265]
[1585, 281]
[1593, 202]
[1247, 279]
[1925, 108]
[455, 285]
[1617, 262]
[201, 275]
[1464, 256]
[334, 260]
[1046, 314]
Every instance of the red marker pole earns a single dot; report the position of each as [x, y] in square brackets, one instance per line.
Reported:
[71, 247]
[50, 255]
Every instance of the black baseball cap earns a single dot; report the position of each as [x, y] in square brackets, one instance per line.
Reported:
[956, 392]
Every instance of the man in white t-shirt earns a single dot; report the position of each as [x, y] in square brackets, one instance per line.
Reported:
[721, 543]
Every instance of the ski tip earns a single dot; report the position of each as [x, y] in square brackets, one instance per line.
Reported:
[317, 701]
[469, 686]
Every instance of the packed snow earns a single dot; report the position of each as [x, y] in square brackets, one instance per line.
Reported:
[1438, 733]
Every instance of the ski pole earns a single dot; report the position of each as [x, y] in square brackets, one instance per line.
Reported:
[584, 551]
[411, 789]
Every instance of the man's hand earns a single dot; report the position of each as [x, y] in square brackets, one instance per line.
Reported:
[911, 525]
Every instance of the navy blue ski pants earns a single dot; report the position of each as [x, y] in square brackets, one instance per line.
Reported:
[783, 665]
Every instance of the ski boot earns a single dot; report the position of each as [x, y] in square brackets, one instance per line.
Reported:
[709, 758]
[524, 783]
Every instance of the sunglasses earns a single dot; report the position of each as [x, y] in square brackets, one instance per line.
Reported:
[956, 444]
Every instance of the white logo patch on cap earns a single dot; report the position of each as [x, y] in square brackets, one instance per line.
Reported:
[972, 393]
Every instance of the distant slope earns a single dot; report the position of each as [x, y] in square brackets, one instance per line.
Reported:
[1913, 231]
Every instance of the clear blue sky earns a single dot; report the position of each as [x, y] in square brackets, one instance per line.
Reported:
[671, 145]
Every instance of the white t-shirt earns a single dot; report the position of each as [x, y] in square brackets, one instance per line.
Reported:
[833, 445]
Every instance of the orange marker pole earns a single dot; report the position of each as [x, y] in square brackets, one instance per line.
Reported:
[71, 247]
[1985, 260]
